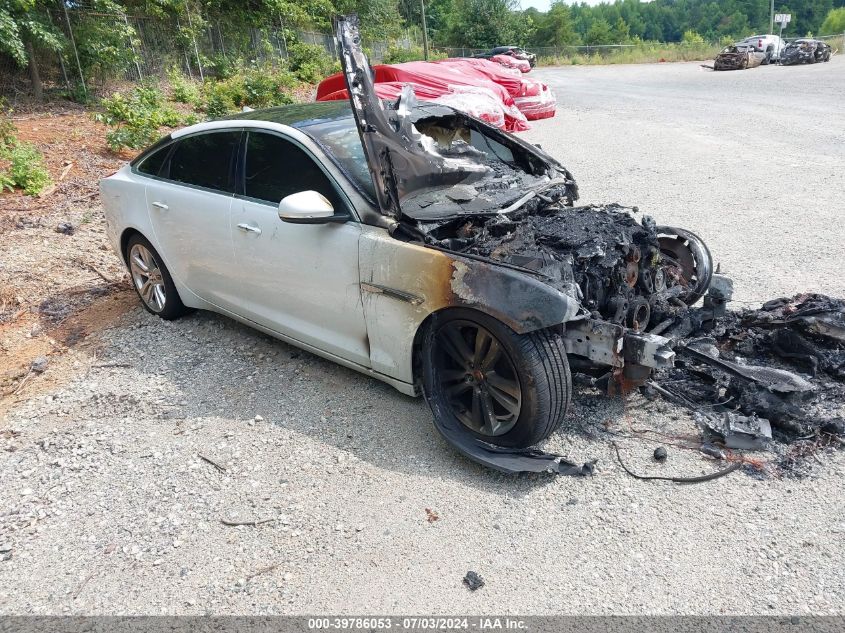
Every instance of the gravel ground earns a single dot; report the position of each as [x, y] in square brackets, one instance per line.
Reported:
[107, 507]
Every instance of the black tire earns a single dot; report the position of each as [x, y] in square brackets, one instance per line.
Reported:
[173, 307]
[539, 364]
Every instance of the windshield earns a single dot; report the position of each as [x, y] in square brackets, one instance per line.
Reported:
[341, 140]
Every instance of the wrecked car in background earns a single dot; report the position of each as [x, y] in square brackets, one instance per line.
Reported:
[517, 52]
[771, 45]
[739, 57]
[805, 51]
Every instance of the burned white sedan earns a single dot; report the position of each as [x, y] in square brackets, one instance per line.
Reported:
[412, 243]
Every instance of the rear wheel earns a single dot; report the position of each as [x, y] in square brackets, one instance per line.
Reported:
[505, 388]
[151, 280]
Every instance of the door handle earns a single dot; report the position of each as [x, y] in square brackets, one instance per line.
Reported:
[160, 205]
[248, 228]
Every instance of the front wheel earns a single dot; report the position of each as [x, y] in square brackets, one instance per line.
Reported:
[508, 389]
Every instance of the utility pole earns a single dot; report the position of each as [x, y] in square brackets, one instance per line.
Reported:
[425, 31]
[772, 21]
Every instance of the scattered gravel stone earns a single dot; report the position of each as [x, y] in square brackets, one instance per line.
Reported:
[39, 364]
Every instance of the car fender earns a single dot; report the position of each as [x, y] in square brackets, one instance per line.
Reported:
[403, 283]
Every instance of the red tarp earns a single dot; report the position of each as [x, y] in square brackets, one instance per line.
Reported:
[478, 102]
[457, 82]
[522, 65]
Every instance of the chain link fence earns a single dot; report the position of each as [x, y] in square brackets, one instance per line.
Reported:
[103, 48]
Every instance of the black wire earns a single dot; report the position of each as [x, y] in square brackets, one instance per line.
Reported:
[678, 480]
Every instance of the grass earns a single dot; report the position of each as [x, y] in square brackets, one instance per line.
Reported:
[642, 53]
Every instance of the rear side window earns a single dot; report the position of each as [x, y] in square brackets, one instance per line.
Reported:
[276, 168]
[152, 163]
[206, 160]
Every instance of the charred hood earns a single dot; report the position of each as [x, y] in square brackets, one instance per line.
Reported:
[431, 162]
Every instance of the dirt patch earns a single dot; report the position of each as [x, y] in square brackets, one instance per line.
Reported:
[76, 155]
[60, 284]
[69, 347]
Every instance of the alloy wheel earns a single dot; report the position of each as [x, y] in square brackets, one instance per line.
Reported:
[477, 378]
[146, 275]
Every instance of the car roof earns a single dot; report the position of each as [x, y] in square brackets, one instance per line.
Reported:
[298, 115]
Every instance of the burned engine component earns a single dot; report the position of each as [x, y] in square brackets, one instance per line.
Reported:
[805, 51]
[624, 271]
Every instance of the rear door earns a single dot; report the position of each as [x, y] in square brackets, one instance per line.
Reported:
[189, 206]
[301, 280]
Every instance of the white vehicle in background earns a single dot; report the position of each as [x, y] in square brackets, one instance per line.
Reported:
[771, 45]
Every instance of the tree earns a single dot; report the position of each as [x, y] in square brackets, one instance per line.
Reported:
[558, 28]
[24, 24]
[599, 33]
[485, 23]
[834, 22]
[620, 33]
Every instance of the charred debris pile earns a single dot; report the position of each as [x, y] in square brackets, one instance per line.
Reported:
[751, 376]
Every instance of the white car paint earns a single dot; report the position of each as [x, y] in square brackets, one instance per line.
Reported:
[297, 282]
[764, 42]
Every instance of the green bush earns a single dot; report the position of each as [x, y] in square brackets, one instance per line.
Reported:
[7, 128]
[136, 117]
[26, 168]
[182, 90]
[398, 55]
[219, 98]
[256, 88]
[223, 67]
[310, 63]
[692, 38]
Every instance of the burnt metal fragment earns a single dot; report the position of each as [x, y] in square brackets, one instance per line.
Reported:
[712, 450]
[473, 581]
[508, 460]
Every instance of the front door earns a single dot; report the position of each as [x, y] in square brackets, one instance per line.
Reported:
[298, 279]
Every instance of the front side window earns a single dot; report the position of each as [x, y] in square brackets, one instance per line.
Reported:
[341, 139]
[206, 160]
[276, 168]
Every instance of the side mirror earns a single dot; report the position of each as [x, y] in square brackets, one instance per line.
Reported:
[308, 207]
